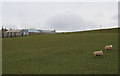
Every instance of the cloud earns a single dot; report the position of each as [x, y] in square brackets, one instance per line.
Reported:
[115, 17]
[10, 26]
[64, 16]
[69, 22]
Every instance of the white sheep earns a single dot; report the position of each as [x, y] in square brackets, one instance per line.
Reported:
[109, 47]
[98, 53]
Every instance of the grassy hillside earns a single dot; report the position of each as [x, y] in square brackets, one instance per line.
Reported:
[68, 53]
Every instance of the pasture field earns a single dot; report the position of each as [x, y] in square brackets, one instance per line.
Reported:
[65, 53]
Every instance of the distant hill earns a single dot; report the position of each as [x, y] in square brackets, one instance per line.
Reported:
[98, 30]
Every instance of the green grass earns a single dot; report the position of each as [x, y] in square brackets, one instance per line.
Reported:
[67, 53]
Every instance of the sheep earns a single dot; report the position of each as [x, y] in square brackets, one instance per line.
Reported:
[109, 47]
[98, 53]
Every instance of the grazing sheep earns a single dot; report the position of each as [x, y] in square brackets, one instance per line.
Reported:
[108, 47]
[98, 53]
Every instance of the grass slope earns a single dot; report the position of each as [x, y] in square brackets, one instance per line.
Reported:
[70, 53]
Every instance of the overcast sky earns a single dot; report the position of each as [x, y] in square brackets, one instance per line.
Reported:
[61, 16]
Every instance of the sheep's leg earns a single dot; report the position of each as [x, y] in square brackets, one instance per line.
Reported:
[94, 56]
[110, 48]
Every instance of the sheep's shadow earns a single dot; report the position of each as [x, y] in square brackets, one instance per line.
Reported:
[98, 56]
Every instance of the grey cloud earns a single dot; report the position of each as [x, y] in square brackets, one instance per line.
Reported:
[10, 26]
[69, 22]
[100, 14]
[115, 17]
